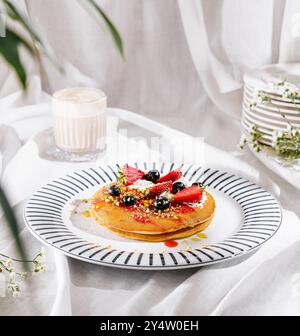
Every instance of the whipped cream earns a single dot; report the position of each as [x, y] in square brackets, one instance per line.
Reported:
[141, 185]
[144, 184]
[201, 203]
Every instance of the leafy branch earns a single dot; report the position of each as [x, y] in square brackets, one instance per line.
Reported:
[286, 144]
[15, 277]
[11, 43]
[254, 139]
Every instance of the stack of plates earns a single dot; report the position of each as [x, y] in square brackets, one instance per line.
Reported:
[276, 112]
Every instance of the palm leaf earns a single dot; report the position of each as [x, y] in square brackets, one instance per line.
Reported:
[111, 27]
[9, 49]
[15, 14]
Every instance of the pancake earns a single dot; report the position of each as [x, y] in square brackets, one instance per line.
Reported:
[143, 223]
[179, 234]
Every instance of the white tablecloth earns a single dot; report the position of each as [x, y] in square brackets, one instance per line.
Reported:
[266, 282]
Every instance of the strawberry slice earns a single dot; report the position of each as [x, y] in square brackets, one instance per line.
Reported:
[129, 175]
[159, 188]
[173, 176]
[191, 194]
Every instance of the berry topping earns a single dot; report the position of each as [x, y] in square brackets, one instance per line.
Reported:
[161, 203]
[173, 176]
[159, 188]
[177, 186]
[114, 190]
[191, 194]
[128, 175]
[152, 175]
[129, 199]
[198, 184]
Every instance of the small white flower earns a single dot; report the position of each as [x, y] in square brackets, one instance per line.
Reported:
[24, 276]
[12, 276]
[243, 139]
[42, 251]
[7, 266]
[252, 105]
[8, 263]
[14, 288]
[38, 267]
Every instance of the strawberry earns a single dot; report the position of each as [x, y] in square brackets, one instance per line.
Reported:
[129, 175]
[159, 188]
[173, 176]
[191, 194]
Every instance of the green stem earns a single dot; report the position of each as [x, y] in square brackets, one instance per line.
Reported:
[7, 270]
[17, 260]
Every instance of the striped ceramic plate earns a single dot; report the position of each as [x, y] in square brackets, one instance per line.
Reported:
[246, 217]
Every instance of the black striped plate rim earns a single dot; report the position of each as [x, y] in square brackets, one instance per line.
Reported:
[262, 218]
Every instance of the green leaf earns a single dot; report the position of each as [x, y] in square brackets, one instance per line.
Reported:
[112, 29]
[9, 49]
[15, 14]
[12, 222]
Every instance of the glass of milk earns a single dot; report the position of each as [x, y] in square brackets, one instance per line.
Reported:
[79, 123]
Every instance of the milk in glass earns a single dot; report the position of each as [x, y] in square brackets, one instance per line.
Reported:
[79, 119]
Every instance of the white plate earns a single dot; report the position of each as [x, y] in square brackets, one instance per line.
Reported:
[290, 173]
[262, 128]
[273, 95]
[264, 77]
[265, 120]
[275, 104]
[271, 115]
[265, 139]
[267, 127]
[246, 217]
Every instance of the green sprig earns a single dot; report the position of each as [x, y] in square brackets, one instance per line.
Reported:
[287, 144]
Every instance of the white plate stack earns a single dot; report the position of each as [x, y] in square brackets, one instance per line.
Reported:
[271, 100]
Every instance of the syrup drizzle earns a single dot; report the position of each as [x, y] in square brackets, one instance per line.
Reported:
[171, 243]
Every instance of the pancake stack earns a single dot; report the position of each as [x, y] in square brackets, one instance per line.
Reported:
[153, 213]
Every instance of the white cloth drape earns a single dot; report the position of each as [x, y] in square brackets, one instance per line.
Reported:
[184, 59]
[241, 286]
[227, 38]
